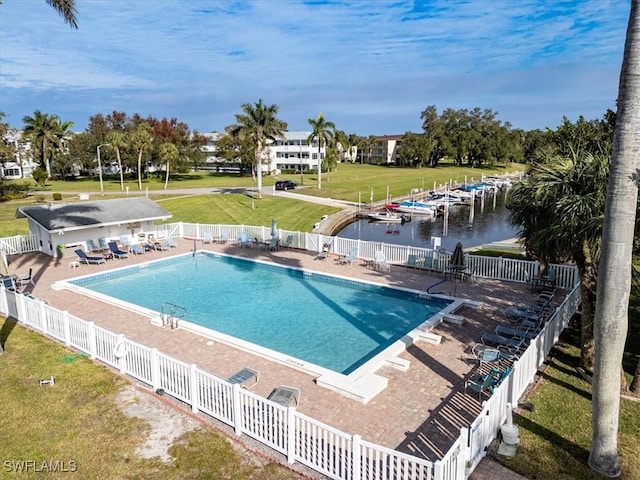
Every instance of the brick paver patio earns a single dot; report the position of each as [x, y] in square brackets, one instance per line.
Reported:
[420, 412]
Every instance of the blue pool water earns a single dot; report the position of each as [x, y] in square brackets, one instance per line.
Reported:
[335, 323]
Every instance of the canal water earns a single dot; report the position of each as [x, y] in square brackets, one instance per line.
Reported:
[488, 223]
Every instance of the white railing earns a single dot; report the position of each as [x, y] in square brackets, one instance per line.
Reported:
[19, 244]
[484, 429]
[300, 438]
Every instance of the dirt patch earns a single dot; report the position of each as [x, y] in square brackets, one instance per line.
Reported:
[166, 423]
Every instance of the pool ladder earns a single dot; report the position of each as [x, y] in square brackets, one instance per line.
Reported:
[170, 313]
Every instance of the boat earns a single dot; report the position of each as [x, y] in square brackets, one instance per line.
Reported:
[417, 208]
[389, 217]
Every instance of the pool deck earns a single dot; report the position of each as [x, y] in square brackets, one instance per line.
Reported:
[420, 412]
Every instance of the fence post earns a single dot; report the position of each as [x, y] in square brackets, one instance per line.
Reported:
[93, 348]
[43, 318]
[20, 310]
[356, 457]
[120, 353]
[4, 307]
[66, 328]
[193, 371]
[291, 435]
[237, 409]
[437, 470]
[155, 370]
[464, 454]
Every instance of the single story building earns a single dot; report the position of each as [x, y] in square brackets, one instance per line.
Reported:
[72, 224]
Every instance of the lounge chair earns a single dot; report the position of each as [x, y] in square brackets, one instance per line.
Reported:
[119, 254]
[207, 237]
[160, 246]
[514, 314]
[350, 258]
[83, 258]
[285, 396]
[412, 261]
[8, 282]
[515, 332]
[104, 243]
[91, 246]
[288, 242]
[380, 262]
[481, 383]
[246, 378]
[224, 238]
[137, 249]
[26, 279]
[500, 342]
[125, 242]
[171, 242]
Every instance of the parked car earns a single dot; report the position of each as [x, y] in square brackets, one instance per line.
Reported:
[285, 185]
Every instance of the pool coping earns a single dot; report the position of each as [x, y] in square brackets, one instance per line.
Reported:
[362, 384]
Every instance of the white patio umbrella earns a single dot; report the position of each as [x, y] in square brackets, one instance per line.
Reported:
[274, 228]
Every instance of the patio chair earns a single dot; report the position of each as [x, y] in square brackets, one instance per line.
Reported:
[207, 237]
[481, 383]
[485, 354]
[26, 279]
[412, 261]
[246, 378]
[119, 254]
[160, 246]
[498, 341]
[243, 240]
[224, 238]
[350, 258]
[285, 396]
[274, 244]
[8, 282]
[380, 262]
[288, 243]
[83, 258]
[499, 378]
[125, 242]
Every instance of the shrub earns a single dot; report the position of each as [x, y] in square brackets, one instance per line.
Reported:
[40, 176]
[57, 196]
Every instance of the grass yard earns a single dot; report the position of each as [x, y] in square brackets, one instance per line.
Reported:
[555, 438]
[79, 420]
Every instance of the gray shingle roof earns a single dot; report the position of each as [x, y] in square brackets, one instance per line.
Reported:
[80, 215]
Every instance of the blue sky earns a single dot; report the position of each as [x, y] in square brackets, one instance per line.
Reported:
[371, 67]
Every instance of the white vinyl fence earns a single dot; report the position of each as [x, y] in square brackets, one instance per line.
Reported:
[334, 453]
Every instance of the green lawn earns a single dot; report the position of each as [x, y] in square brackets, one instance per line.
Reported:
[78, 420]
[555, 438]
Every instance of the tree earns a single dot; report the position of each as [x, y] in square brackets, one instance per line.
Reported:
[259, 123]
[321, 132]
[559, 211]
[118, 141]
[141, 142]
[168, 153]
[614, 286]
[46, 132]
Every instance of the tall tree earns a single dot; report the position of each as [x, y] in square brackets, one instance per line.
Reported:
[117, 140]
[45, 131]
[141, 142]
[321, 132]
[168, 153]
[259, 123]
[614, 286]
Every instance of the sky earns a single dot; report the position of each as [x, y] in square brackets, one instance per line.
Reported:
[370, 67]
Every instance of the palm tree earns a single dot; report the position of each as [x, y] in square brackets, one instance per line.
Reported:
[141, 141]
[66, 9]
[614, 286]
[45, 131]
[322, 132]
[259, 123]
[118, 141]
[559, 211]
[168, 153]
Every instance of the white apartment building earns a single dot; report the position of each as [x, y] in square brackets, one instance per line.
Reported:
[292, 153]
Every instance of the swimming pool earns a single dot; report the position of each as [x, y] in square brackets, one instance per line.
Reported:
[332, 322]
